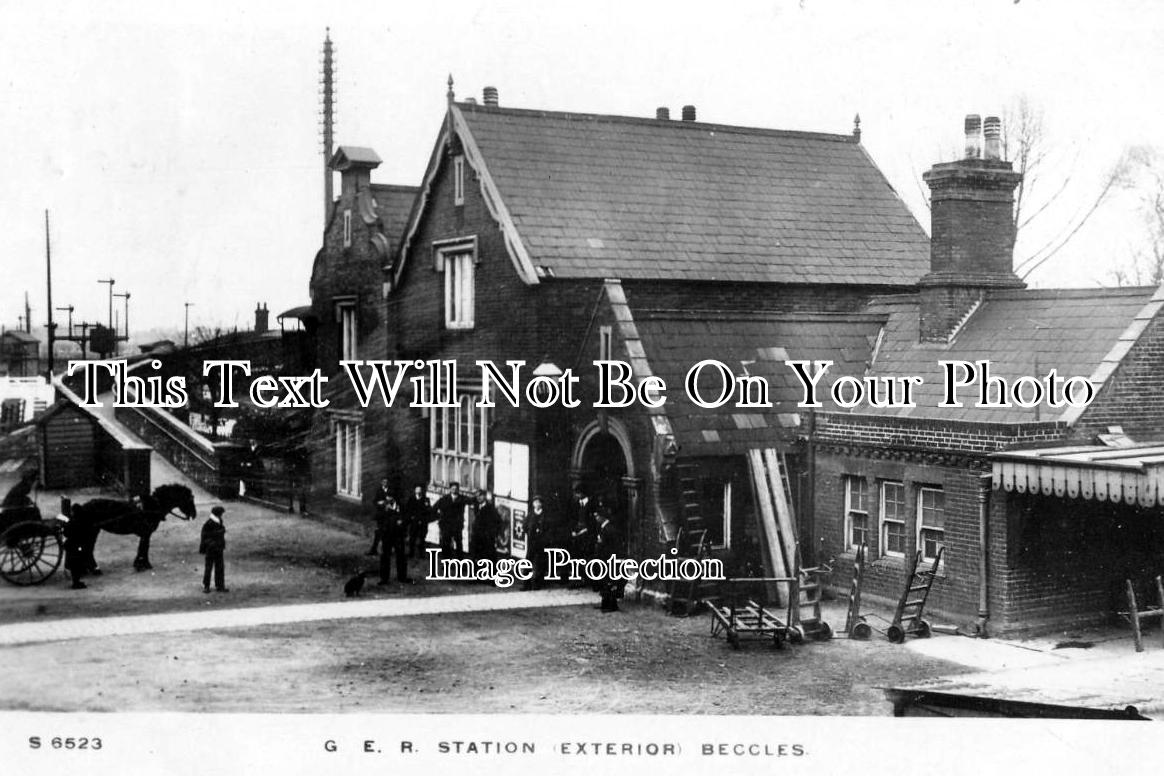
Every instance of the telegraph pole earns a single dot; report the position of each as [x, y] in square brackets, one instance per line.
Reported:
[48, 263]
[186, 336]
[327, 93]
[125, 296]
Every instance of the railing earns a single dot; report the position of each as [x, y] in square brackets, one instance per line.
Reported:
[214, 466]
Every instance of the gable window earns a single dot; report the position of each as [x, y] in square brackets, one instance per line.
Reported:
[348, 228]
[931, 521]
[345, 316]
[458, 269]
[605, 343]
[893, 519]
[856, 511]
[459, 444]
[459, 180]
[348, 443]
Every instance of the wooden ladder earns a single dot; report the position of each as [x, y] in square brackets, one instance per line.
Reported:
[691, 542]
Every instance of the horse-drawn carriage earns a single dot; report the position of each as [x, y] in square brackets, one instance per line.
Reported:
[31, 548]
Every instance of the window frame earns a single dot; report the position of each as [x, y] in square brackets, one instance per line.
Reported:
[347, 316]
[848, 480]
[884, 520]
[921, 526]
[459, 443]
[349, 444]
[605, 343]
[459, 179]
[347, 227]
[458, 261]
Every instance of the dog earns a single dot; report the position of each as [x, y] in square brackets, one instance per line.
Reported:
[354, 585]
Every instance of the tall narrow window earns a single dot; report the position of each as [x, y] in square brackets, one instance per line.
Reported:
[458, 180]
[893, 519]
[348, 443]
[931, 521]
[856, 511]
[605, 343]
[348, 334]
[459, 290]
[347, 228]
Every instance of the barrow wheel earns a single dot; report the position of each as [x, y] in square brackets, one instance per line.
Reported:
[861, 632]
[924, 631]
[825, 632]
[796, 634]
[896, 634]
[30, 553]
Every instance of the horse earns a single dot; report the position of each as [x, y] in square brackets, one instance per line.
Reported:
[131, 517]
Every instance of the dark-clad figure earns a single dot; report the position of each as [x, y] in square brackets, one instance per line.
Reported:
[213, 545]
[583, 527]
[395, 532]
[78, 558]
[537, 529]
[379, 514]
[450, 511]
[609, 543]
[418, 513]
[486, 526]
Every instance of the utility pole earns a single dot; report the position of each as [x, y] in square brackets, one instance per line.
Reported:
[48, 264]
[124, 296]
[186, 336]
[110, 282]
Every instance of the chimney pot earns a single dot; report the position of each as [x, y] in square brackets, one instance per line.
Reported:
[973, 136]
[489, 96]
[663, 113]
[992, 132]
[689, 113]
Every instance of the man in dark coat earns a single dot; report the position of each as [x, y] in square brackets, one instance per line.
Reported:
[486, 526]
[450, 510]
[213, 545]
[538, 527]
[379, 514]
[395, 531]
[609, 543]
[418, 513]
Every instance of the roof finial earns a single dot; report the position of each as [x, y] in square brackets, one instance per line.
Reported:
[449, 94]
[327, 34]
[857, 127]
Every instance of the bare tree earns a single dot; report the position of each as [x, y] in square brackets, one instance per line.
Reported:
[1143, 175]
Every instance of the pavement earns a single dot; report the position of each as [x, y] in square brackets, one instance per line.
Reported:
[130, 625]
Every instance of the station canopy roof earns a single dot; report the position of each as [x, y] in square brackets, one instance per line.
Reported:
[1131, 475]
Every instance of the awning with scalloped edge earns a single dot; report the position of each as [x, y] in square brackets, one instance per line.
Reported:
[1131, 475]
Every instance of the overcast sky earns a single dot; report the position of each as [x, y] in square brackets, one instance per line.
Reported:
[178, 151]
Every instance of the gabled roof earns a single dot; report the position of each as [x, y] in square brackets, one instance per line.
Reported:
[354, 156]
[584, 195]
[393, 203]
[758, 343]
[1082, 332]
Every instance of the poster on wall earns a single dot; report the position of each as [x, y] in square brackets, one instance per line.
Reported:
[511, 494]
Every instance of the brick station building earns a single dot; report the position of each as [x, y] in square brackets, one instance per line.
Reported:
[1044, 512]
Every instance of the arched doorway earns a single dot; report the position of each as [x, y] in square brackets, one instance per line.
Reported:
[602, 464]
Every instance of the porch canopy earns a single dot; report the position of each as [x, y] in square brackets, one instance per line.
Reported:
[1131, 475]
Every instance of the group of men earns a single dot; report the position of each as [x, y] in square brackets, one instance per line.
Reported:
[400, 533]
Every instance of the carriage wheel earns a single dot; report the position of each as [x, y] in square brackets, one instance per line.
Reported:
[30, 553]
[924, 631]
[825, 633]
[861, 631]
[895, 634]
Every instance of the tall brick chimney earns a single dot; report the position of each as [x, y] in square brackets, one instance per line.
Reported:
[972, 233]
[262, 318]
[355, 165]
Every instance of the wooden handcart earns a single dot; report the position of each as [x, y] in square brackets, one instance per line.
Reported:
[804, 597]
[907, 619]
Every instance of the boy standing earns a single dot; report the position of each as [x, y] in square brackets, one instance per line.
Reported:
[212, 546]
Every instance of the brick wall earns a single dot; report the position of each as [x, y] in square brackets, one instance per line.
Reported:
[934, 435]
[1132, 396]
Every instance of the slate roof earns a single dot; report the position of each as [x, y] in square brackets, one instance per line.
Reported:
[394, 203]
[347, 155]
[1070, 330]
[675, 341]
[609, 196]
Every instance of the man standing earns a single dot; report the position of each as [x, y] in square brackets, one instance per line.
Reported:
[537, 528]
[609, 543]
[450, 510]
[395, 533]
[417, 513]
[213, 545]
[379, 514]
[486, 525]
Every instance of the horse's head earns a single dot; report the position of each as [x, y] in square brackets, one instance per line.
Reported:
[174, 496]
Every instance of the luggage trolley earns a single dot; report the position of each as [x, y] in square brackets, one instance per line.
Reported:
[743, 616]
[804, 597]
[908, 617]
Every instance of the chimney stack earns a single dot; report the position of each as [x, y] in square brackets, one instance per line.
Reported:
[355, 165]
[261, 318]
[489, 96]
[972, 233]
[689, 113]
[663, 114]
